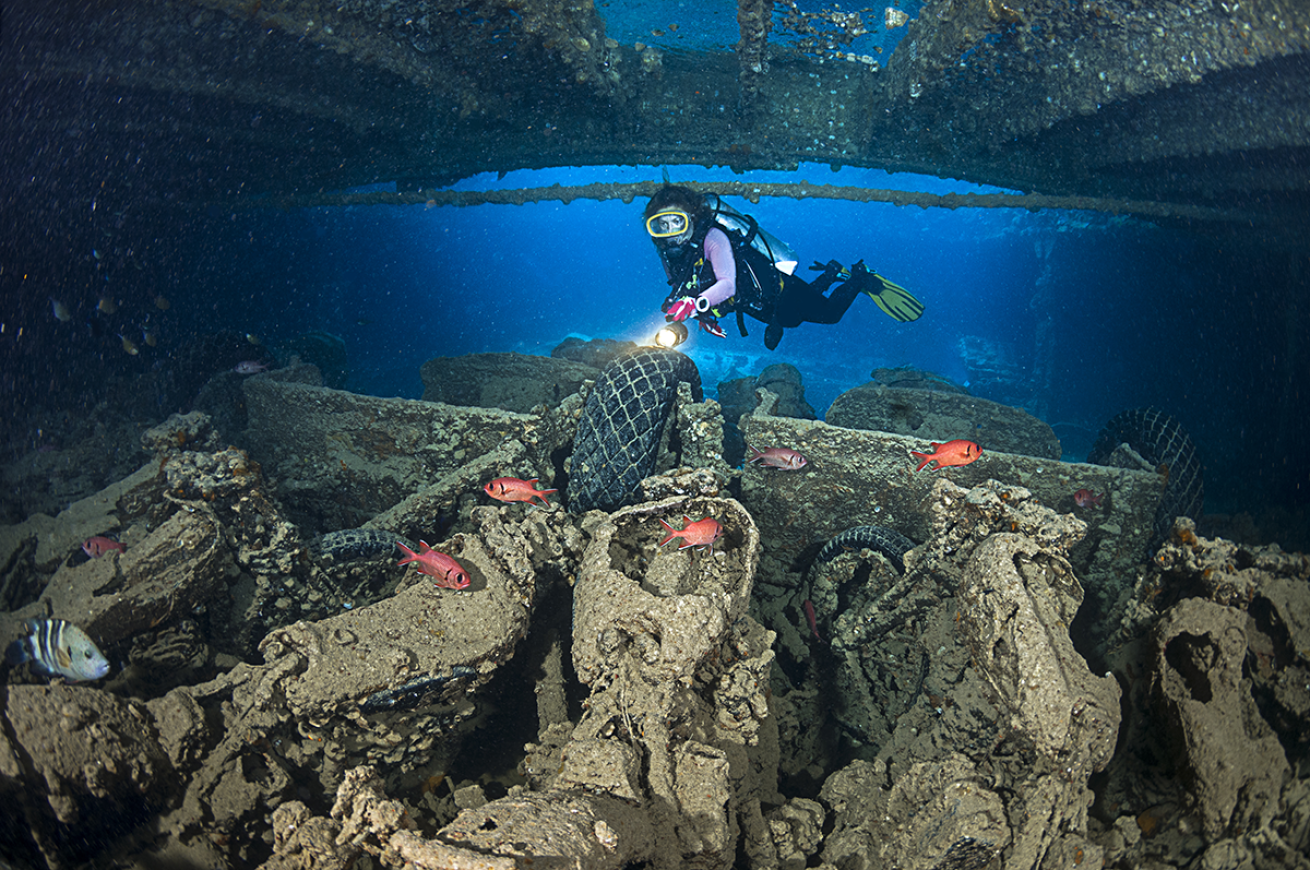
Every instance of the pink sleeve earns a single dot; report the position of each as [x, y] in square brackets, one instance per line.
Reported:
[719, 252]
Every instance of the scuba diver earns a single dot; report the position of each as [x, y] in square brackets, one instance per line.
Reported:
[718, 261]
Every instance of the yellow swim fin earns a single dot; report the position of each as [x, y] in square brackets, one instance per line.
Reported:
[895, 300]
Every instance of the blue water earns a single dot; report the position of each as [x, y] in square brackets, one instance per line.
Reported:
[1139, 314]
[460, 280]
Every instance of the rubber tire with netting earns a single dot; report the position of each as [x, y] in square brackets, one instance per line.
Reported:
[1163, 442]
[622, 422]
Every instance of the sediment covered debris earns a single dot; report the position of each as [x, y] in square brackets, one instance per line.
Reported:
[668, 707]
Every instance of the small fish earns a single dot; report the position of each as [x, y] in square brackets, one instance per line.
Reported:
[778, 457]
[129, 346]
[107, 305]
[99, 545]
[162, 303]
[62, 314]
[447, 573]
[701, 534]
[253, 339]
[149, 336]
[516, 489]
[249, 367]
[808, 607]
[95, 253]
[957, 452]
[58, 648]
[1086, 498]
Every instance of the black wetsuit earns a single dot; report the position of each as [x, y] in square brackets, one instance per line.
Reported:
[763, 291]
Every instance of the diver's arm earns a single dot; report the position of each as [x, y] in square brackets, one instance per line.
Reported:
[718, 250]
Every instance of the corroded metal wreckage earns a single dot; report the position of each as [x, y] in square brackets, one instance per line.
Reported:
[1183, 110]
[959, 704]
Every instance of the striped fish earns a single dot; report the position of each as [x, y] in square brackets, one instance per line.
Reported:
[58, 648]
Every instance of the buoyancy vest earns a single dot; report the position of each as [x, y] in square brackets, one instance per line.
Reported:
[779, 252]
[759, 275]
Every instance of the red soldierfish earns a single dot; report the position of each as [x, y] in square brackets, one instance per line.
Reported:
[447, 573]
[808, 607]
[515, 489]
[99, 545]
[778, 457]
[1086, 498]
[701, 534]
[957, 452]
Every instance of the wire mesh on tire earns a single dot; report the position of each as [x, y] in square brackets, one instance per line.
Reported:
[622, 421]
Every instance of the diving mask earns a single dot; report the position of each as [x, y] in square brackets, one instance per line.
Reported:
[667, 224]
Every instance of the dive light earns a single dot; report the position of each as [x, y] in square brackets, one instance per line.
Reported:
[671, 334]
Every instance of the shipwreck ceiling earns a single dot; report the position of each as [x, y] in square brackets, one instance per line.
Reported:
[1201, 103]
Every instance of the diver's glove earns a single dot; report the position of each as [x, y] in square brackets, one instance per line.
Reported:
[682, 309]
[710, 325]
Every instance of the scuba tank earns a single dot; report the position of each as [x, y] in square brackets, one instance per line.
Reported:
[779, 252]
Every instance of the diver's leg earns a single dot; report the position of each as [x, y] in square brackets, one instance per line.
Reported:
[794, 299]
[829, 273]
[799, 302]
[832, 308]
[821, 283]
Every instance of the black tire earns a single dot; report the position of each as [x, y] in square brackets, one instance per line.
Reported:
[1163, 442]
[622, 421]
[889, 542]
[349, 545]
